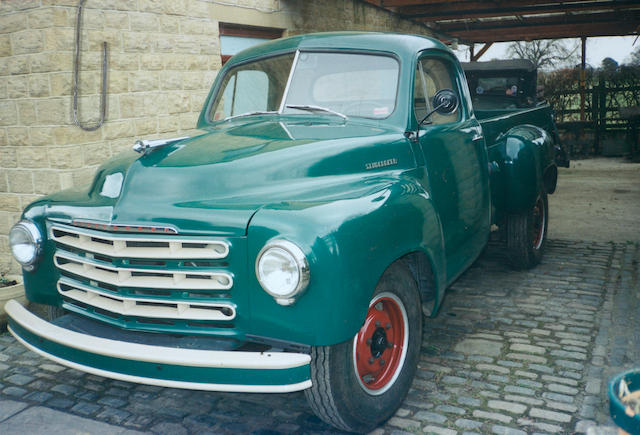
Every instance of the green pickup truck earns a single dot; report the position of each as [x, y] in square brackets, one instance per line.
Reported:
[339, 184]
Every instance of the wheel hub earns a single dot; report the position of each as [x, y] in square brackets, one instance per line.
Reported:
[379, 347]
[378, 343]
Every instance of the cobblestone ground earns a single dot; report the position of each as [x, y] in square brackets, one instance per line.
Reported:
[509, 353]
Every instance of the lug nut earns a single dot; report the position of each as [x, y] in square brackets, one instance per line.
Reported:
[388, 326]
[369, 341]
[389, 345]
[368, 379]
[378, 323]
[381, 362]
[371, 360]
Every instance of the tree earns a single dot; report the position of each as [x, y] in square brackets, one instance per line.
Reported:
[634, 57]
[608, 64]
[546, 54]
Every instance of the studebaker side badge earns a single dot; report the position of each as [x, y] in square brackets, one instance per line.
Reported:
[380, 164]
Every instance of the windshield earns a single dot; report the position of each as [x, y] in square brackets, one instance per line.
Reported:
[253, 87]
[332, 84]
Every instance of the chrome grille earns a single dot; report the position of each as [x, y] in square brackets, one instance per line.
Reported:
[141, 307]
[140, 247]
[162, 277]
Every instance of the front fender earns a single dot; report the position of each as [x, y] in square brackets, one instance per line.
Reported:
[349, 243]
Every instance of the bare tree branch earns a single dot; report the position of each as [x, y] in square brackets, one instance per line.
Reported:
[546, 54]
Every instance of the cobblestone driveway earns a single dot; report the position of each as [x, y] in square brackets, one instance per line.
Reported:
[509, 353]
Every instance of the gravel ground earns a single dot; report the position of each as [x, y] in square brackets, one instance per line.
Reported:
[597, 199]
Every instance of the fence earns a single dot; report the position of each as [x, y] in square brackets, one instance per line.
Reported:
[608, 122]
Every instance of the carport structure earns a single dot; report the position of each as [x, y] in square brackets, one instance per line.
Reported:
[472, 21]
[485, 22]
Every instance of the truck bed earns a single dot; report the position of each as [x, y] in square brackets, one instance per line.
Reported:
[495, 122]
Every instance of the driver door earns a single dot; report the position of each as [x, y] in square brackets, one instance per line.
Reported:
[456, 164]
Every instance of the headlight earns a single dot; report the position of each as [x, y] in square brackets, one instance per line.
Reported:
[25, 241]
[282, 270]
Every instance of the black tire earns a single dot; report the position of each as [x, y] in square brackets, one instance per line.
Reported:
[339, 395]
[527, 234]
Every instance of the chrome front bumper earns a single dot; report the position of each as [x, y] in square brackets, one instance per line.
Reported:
[213, 370]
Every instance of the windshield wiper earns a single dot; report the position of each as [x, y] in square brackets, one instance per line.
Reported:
[315, 109]
[259, 112]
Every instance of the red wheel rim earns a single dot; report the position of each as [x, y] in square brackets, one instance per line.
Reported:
[539, 223]
[380, 347]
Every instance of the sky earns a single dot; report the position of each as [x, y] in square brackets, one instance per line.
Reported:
[616, 47]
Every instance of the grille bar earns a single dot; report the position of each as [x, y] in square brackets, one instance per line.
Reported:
[148, 278]
[150, 308]
[139, 247]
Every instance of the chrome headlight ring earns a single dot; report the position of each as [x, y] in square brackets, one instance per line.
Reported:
[25, 241]
[282, 270]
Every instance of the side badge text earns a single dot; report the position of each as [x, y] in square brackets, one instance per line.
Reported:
[381, 164]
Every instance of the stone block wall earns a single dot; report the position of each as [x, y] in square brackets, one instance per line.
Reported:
[163, 56]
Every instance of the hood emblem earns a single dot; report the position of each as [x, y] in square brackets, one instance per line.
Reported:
[144, 147]
[381, 164]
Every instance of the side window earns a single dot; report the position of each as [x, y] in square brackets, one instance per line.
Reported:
[432, 75]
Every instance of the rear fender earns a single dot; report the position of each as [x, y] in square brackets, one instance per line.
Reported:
[522, 156]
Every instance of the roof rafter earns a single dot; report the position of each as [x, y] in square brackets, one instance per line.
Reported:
[475, 21]
[489, 12]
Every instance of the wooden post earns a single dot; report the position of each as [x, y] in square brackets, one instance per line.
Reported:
[602, 115]
[583, 76]
[472, 51]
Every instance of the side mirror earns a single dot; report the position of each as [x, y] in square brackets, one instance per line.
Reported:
[445, 101]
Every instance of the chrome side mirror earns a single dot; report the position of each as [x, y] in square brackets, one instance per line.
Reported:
[445, 101]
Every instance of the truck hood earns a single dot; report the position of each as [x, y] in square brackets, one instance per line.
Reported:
[215, 182]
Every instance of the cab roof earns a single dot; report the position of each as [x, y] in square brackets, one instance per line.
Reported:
[498, 65]
[399, 44]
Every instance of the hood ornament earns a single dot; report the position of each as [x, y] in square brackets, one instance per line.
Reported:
[144, 147]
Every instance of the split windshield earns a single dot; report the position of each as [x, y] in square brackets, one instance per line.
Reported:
[329, 84]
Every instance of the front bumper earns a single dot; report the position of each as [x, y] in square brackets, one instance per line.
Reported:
[212, 370]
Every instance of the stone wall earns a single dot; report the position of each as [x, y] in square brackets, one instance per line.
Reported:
[163, 56]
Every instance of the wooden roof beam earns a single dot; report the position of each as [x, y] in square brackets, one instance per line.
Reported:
[504, 24]
[483, 50]
[472, 5]
[455, 14]
[554, 31]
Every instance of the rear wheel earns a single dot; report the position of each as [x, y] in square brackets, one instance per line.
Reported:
[527, 234]
[361, 383]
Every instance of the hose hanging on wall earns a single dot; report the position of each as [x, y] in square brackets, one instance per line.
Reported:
[76, 77]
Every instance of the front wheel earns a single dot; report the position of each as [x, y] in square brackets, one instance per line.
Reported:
[361, 383]
[527, 234]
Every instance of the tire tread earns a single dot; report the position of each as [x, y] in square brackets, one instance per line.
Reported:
[321, 398]
[522, 255]
[517, 240]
